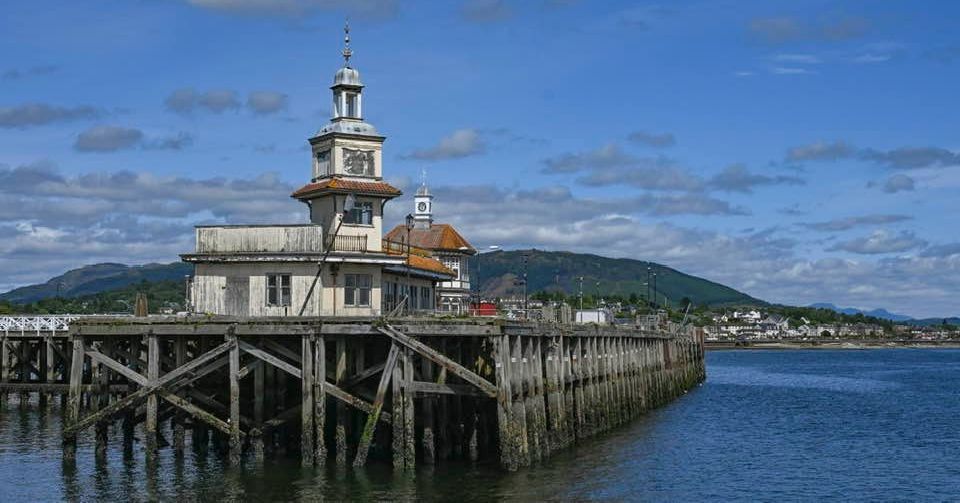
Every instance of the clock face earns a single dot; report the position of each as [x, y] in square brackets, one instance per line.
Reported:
[422, 206]
[358, 162]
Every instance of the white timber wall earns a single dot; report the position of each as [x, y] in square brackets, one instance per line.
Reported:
[211, 284]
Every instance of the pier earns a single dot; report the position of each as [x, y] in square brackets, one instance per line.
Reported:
[345, 391]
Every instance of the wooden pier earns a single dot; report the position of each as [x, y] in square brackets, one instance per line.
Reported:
[341, 390]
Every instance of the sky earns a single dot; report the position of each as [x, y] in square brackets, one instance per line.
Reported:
[799, 151]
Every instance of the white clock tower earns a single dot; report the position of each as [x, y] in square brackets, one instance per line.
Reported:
[423, 207]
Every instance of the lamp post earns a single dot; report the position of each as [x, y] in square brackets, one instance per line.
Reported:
[409, 222]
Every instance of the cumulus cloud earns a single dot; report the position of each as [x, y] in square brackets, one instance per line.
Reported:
[652, 139]
[485, 11]
[913, 157]
[898, 158]
[847, 223]
[737, 178]
[898, 183]
[766, 263]
[52, 221]
[880, 242]
[266, 102]
[107, 139]
[39, 114]
[821, 151]
[610, 165]
[188, 100]
[458, 144]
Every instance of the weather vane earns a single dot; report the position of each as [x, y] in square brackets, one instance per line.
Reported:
[346, 43]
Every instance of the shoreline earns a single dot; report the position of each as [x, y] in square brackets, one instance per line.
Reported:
[846, 345]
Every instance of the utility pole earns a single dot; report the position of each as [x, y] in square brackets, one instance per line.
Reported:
[525, 256]
[581, 293]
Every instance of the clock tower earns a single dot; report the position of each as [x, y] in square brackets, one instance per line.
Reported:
[347, 146]
[423, 207]
[346, 161]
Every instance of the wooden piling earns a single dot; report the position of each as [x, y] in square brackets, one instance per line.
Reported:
[307, 451]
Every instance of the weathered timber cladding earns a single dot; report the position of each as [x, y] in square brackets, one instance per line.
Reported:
[260, 239]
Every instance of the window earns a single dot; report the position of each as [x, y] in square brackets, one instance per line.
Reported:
[362, 214]
[426, 300]
[323, 163]
[278, 289]
[453, 264]
[356, 290]
[352, 109]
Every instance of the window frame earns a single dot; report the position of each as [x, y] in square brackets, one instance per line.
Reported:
[356, 287]
[279, 287]
[355, 215]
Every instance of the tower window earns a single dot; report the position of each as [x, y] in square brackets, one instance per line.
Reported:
[352, 108]
[362, 214]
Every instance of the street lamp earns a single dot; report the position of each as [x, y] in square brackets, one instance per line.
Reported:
[409, 222]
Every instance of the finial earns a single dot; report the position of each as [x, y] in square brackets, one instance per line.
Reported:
[346, 43]
[423, 177]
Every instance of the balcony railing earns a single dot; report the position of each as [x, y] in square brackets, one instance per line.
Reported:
[350, 243]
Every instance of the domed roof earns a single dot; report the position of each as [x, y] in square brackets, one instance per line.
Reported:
[423, 190]
[354, 127]
[347, 76]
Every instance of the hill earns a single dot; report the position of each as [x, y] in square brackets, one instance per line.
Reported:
[93, 279]
[551, 271]
[546, 271]
[161, 295]
[876, 313]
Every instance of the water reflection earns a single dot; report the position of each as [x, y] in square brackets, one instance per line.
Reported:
[767, 426]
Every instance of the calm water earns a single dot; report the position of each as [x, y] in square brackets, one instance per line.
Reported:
[767, 425]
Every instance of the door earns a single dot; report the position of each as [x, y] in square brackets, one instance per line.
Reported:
[236, 299]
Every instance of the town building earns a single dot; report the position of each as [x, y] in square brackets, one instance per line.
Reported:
[335, 265]
[443, 242]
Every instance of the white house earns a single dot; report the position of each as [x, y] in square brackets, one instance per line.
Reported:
[335, 265]
[444, 243]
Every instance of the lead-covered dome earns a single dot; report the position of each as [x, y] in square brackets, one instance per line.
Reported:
[347, 76]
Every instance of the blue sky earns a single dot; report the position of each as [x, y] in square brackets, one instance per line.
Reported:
[801, 152]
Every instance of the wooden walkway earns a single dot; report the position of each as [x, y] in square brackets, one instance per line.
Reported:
[338, 390]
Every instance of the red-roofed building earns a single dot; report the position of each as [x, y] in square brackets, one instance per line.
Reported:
[443, 242]
[336, 265]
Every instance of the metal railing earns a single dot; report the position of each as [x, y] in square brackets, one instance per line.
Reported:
[36, 324]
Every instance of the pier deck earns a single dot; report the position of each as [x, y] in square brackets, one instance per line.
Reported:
[340, 390]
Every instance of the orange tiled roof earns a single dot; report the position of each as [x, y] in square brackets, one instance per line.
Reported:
[437, 237]
[341, 186]
[428, 264]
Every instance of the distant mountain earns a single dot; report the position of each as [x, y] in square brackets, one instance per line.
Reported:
[97, 278]
[876, 313]
[500, 271]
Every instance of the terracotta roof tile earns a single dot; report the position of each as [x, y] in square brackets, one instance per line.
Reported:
[437, 237]
[428, 264]
[341, 186]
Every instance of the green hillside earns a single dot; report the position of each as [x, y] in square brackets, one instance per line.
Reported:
[164, 294]
[560, 272]
[103, 287]
[97, 278]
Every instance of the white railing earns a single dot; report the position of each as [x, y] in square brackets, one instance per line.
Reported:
[36, 324]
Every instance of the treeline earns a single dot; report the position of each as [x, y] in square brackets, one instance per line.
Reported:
[702, 315]
[161, 295]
